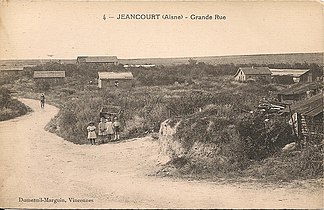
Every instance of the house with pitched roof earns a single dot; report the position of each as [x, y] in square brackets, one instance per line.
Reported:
[115, 79]
[253, 73]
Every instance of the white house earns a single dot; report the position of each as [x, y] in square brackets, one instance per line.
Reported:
[245, 73]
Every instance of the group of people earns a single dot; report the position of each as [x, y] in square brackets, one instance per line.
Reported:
[107, 131]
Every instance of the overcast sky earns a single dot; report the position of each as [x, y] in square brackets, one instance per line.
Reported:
[66, 29]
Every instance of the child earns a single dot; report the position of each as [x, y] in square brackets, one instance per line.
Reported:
[92, 133]
[116, 126]
[110, 131]
[102, 130]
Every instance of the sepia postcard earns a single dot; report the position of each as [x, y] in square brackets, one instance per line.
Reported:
[161, 104]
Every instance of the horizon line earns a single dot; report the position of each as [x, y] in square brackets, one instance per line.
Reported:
[176, 57]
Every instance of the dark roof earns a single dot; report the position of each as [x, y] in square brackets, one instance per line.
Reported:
[308, 107]
[99, 59]
[299, 88]
[254, 70]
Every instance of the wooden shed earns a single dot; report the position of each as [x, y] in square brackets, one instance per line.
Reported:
[298, 92]
[308, 115]
[115, 79]
[50, 76]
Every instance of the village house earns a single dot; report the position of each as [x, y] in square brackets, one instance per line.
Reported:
[253, 73]
[50, 76]
[109, 60]
[298, 92]
[294, 75]
[115, 79]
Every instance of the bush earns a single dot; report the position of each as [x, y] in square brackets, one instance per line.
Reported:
[42, 85]
[310, 162]
[304, 164]
[74, 117]
[68, 91]
[261, 138]
[10, 108]
[4, 97]
[9, 78]
[205, 130]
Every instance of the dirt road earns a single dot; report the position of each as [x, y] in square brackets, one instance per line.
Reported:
[36, 164]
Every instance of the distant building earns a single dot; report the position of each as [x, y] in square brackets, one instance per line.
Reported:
[115, 79]
[253, 73]
[296, 75]
[11, 70]
[139, 65]
[111, 60]
[298, 92]
[51, 76]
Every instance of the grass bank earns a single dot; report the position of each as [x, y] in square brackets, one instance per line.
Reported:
[10, 107]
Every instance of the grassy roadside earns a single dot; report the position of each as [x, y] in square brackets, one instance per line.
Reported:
[11, 107]
[203, 99]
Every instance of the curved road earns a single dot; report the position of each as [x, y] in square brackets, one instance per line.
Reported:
[38, 164]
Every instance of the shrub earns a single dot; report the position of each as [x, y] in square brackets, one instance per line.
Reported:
[304, 164]
[4, 97]
[74, 117]
[310, 162]
[8, 78]
[262, 139]
[42, 85]
[205, 130]
[10, 108]
[68, 91]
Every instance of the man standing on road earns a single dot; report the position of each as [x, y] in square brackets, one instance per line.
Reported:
[42, 100]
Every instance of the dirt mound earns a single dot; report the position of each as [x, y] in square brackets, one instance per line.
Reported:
[187, 150]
